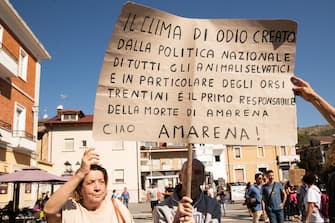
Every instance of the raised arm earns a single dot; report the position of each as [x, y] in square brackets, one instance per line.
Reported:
[57, 200]
[304, 90]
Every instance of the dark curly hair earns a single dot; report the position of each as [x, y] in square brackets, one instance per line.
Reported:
[309, 179]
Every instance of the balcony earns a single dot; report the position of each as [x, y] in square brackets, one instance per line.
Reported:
[6, 126]
[288, 159]
[8, 63]
[16, 138]
[23, 134]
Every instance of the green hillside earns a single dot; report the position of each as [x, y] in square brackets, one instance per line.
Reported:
[304, 134]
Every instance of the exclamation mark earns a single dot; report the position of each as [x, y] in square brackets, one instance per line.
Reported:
[257, 133]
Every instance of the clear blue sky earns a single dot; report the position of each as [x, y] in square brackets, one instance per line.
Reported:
[76, 34]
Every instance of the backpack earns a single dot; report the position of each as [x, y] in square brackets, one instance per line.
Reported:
[324, 205]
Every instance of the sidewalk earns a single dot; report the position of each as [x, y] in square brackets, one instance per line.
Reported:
[236, 212]
[141, 212]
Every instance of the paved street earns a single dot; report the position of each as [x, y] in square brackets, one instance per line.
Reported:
[235, 213]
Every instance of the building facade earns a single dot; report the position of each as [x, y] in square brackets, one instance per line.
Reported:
[21, 54]
[160, 163]
[136, 165]
[244, 161]
[224, 164]
[314, 155]
[68, 134]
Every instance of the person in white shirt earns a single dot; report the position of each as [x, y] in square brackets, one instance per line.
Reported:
[153, 196]
[312, 200]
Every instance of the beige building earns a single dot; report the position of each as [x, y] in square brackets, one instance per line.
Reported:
[21, 54]
[160, 162]
[244, 161]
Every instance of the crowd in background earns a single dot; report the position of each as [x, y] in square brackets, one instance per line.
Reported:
[306, 202]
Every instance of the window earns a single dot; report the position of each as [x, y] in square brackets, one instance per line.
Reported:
[19, 121]
[283, 151]
[152, 144]
[237, 152]
[117, 145]
[23, 64]
[69, 117]
[155, 164]
[180, 162]
[260, 151]
[27, 188]
[68, 145]
[286, 174]
[239, 175]
[84, 143]
[262, 169]
[166, 164]
[172, 144]
[118, 175]
[3, 188]
[217, 158]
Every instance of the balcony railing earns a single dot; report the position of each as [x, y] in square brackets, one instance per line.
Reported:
[23, 134]
[6, 126]
[289, 159]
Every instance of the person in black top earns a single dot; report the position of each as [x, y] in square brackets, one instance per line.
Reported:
[168, 191]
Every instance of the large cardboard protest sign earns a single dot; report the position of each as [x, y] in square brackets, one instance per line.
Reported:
[173, 79]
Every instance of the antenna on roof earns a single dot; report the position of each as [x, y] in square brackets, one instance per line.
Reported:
[45, 115]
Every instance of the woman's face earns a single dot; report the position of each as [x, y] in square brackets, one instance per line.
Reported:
[93, 190]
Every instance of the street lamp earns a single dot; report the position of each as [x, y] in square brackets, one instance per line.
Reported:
[77, 165]
[150, 160]
[68, 168]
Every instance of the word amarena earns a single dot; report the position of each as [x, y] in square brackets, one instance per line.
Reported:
[202, 132]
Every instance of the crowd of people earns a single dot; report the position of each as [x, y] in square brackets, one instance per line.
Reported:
[277, 202]
[83, 198]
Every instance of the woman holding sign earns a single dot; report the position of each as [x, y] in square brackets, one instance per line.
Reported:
[304, 90]
[83, 198]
